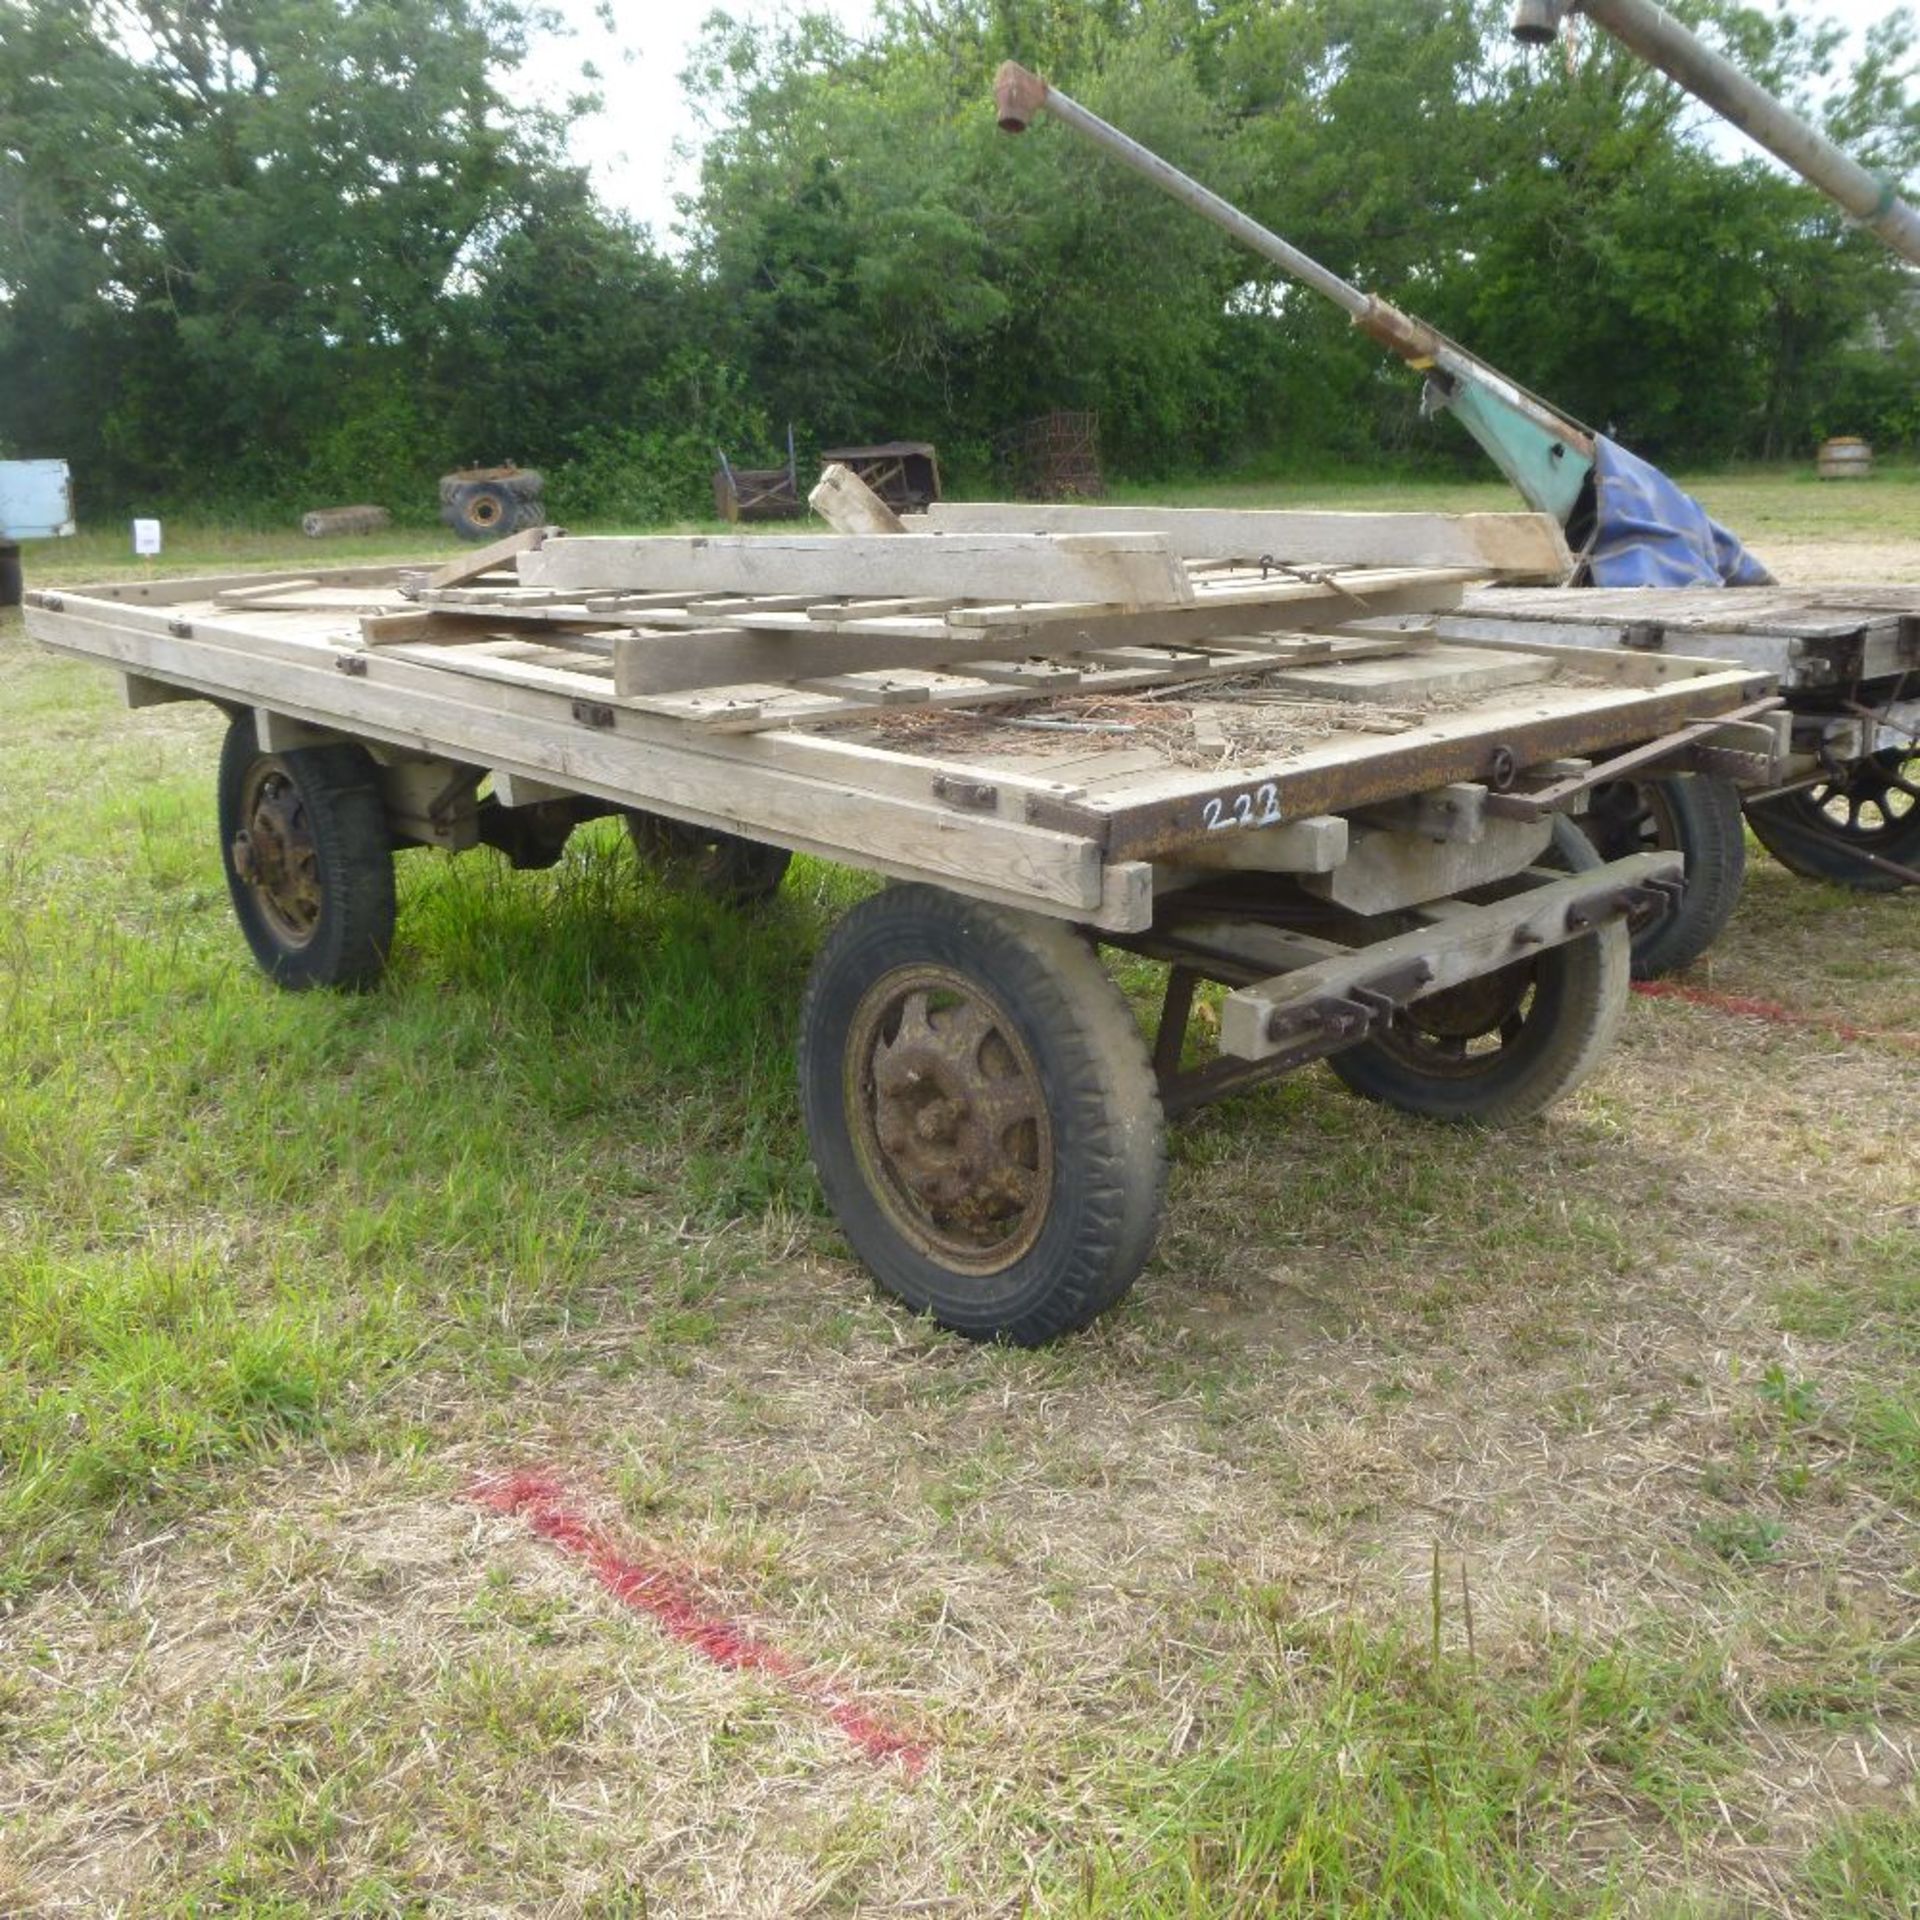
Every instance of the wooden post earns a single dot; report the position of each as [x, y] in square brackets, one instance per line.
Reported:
[848, 505]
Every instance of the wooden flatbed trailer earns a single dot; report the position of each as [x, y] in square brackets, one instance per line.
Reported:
[1847, 662]
[1271, 778]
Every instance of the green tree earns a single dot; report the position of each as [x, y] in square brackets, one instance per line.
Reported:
[231, 226]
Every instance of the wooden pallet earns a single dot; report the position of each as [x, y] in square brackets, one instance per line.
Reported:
[741, 634]
[745, 662]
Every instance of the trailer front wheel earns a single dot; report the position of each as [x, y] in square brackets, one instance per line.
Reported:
[309, 859]
[1503, 1047]
[982, 1113]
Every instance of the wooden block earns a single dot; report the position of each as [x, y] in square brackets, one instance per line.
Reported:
[279, 733]
[1123, 569]
[1384, 872]
[522, 790]
[666, 662]
[848, 505]
[136, 690]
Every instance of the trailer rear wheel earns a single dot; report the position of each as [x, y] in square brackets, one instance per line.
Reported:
[1503, 1047]
[727, 866]
[309, 859]
[1824, 832]
[1696, 817]
[982, 1113]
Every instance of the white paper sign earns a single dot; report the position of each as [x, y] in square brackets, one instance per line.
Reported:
[146, 538]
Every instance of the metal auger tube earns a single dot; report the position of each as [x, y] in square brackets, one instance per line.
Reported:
[1661, 41]
[1541, 450]
[1019, 95]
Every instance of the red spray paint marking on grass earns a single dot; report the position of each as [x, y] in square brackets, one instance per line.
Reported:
[541, 1501]
[1748, 1008]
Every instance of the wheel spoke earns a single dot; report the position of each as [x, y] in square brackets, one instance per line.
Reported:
[1004, 1104]
[957, 1116]
[961, 1031]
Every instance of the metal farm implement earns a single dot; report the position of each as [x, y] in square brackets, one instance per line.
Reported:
[1847, 660]
[1231, 744]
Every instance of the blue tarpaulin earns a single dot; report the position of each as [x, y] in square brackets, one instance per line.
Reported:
[1650, 534]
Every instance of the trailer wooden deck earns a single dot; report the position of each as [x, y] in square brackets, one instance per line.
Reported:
[1806, 638]
[1053, 807]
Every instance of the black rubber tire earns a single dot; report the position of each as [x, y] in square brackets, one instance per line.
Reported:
[726, 866]
[13, 583]
[483, 510]
[1099, 1206]
[1700, 819]
[1579, 993]
[336, 791]
[1805, 839]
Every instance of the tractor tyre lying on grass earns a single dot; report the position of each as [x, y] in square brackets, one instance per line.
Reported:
[309, 859]
[982, 1113]
[722, 865]
[1502, 1048]
[1696, 817]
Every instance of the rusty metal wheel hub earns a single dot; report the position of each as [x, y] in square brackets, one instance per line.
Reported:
[949, 1118]
[1459, 1030]
[275, 855]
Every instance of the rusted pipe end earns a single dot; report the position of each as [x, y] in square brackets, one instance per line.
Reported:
[1398, 332]
[1536, 23]
[1017, 96]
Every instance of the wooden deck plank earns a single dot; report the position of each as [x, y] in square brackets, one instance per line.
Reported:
[1129, 570]
[1522, 544]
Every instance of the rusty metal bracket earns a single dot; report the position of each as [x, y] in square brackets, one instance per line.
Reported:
[1341, 1019]
[353, 665]
[977, 796]
[593, 713]
[1643, 902]
[1069, 816]
[1534, 803]
[1729, 763]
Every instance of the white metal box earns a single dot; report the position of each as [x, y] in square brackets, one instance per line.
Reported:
[36, 499]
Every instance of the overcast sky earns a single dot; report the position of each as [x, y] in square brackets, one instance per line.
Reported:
[629, 145]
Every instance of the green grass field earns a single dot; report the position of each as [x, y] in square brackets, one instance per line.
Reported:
[1448, 1524]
